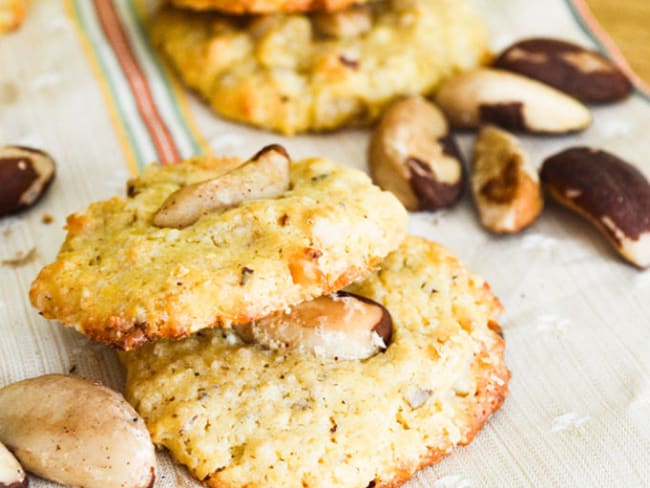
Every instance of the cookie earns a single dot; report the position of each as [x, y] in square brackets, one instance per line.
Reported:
[266, 6]
[123, 281]
[237, 414]
[12, 13]
[297, 73]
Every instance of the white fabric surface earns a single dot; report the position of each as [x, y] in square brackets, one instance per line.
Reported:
[577, 321]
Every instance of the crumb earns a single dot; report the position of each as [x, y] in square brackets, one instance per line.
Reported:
[8, 93]
[47, 218]
[20, 258]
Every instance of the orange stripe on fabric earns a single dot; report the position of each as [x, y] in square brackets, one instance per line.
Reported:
[609, 44]
[180, 94]
[158, 130]
[122, 139]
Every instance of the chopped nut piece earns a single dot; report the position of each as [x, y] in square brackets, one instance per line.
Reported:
[504, 182]
[20, 258]
[350, 22]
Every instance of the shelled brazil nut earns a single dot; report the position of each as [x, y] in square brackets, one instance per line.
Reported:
[505, 183]
[413, 155]
[12, 474]
[76, 432]
[609, 192]
[514, 102]
[582, 73]
[25, 175]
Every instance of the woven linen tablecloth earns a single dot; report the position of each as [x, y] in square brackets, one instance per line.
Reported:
[81, 81]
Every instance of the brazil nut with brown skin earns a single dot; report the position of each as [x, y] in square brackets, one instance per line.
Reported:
[511, 101]
[504, 182]
[25, 175]
[339, 326]
[413, 155]
[12, 474]
[609, 192]
[582, 73]
[75, 432]
[265, 175]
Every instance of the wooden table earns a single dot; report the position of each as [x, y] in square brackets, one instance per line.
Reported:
[628, 22]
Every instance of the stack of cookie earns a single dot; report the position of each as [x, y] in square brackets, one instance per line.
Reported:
[282, 329]
[313, 65]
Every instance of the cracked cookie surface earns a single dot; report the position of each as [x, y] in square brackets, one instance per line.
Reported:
[240, 415]
[122, 281]
[299, 72]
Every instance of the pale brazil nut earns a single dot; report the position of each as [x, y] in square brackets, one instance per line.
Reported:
[609, 192]
[76, 432]
[265, 175]
[582, 73]
[514, 102]
[337, 326]
[351, 22]
[413, 155]
[25, 175]
[505, 183]
[12, 474]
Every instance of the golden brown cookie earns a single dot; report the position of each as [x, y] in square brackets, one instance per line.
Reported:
[237, 414]
[123, 281]
[299, 72]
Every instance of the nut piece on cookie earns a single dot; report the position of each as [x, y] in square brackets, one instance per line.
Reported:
[266, 6]
[609, 192]
[75, 432]
[266, 175]
[511, 101]
[25, 175]
[504, 182]
[352, 22]
[12, 474]
[582, 73]
[337, 326]
[12, 13]
[413, 155]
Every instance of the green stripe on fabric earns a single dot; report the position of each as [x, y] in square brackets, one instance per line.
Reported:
[84, 23]
[587, 30]
[163, 74]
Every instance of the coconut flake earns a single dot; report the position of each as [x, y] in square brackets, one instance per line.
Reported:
[642, 280]
[569, 421]
[552, 323]
[226, 140]
[453, 481]
[46, 80]
[610, 127]
[539, 242]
